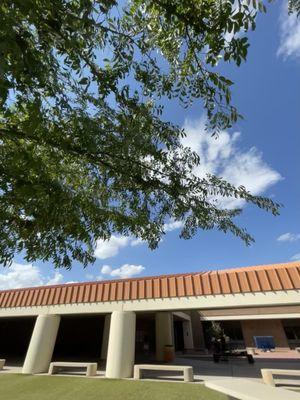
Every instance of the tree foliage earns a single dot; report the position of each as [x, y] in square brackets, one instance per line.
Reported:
[85, 150]
[294, 7]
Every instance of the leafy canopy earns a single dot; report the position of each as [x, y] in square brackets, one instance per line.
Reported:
[85, 150]
[294, 7]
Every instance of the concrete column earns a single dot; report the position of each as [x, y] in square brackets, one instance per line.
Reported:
[188, 335]
[121, 345]
[164, 333]
[105, 337]
[41, 345]
[197, 328]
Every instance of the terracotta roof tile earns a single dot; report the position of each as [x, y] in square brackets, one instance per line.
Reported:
[120, 287]
[126, 295]
[180, 286]
[233, 282]
[189, 286]
[294, 276]
[141, 290]
[133, 294]
[148, 294]
[24, 299]
[206, 284]
[243, 281]
[225, 287]
[106, 292]
[113, 293]
[261, 278]
[197, 284]
[46, 296]
[40, 297]
[274, 279]
[284, 278]
[99, 293]
[69, 294]
[19, 300]
[7, 299]
[215, 284]
[254, 281]
[172, 286]
[156, 288]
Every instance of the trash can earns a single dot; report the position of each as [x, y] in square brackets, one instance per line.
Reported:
[169, 353]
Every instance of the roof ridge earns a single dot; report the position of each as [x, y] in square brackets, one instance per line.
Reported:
[261, 267]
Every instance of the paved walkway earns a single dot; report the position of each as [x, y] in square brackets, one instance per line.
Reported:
[248, 389]
[237, 368]
[232, 371]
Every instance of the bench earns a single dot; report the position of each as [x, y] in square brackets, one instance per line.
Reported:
[249, 389]
[2, 363]
[91, 368]
[188, 375]
[267, 374]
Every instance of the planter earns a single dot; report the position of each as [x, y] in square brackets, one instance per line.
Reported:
[2, 362]
[169, 353]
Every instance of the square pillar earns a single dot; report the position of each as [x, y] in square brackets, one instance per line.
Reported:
[41, 345]
[197, 329]
[105, 337]
[121, 345]
[164, 333]
[188, 336]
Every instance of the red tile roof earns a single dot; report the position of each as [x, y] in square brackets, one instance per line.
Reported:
[228, 281]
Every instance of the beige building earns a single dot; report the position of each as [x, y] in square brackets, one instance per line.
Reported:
[130, 320]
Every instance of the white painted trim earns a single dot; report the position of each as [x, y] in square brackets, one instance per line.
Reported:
[279, 298]
[250, 317]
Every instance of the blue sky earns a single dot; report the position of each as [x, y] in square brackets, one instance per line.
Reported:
[262, 152]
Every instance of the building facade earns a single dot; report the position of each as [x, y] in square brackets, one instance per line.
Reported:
[125, 321]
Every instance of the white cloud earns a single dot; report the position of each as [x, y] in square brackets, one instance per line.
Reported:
[289, 45]
[289, 237]
[125, 271]
[172, 225]
[137, 242]
[58, 277]
[223, 157]
[110, 248]
[296, 257]
[26, 275]
[106, 269]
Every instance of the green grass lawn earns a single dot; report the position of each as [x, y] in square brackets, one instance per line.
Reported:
[28, 387]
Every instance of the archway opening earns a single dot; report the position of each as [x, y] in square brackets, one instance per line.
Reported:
[79, 338]
[15, 335]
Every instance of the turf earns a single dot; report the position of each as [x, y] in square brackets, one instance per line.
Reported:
[28, 387]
